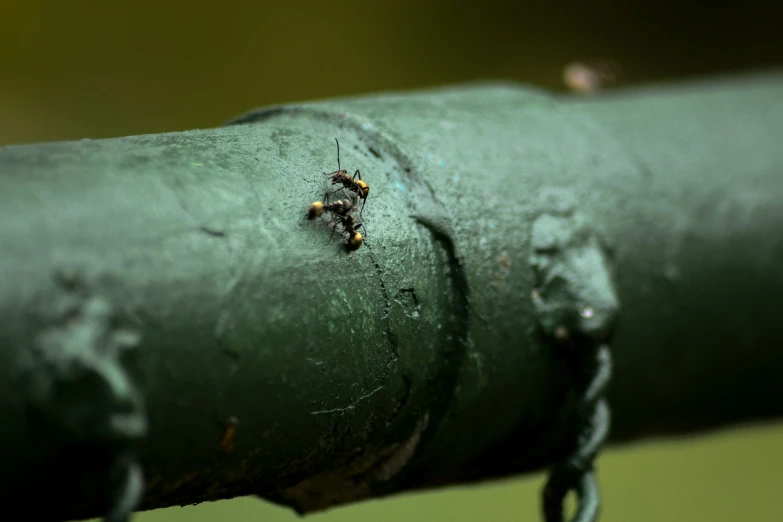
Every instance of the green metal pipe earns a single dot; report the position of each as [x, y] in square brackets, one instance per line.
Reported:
[272, 361]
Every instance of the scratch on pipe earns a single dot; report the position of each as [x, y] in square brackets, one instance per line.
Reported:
[223, 323]
[350, 406]
[214, 232]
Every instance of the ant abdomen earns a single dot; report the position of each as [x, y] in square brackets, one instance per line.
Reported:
[316, 210]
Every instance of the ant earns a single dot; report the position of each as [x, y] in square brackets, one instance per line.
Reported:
[342, 211]
[355, 239]
[341, 208]
[341, 177]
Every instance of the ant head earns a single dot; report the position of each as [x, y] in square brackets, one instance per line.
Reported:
[316, 209]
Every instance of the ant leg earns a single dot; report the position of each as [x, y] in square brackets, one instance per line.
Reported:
[357, 174]
[364, 202]
[340, 188]
[337, 221]
[338, 153]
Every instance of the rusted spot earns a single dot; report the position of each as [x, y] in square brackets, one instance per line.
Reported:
[229, 435]
[561, 334]
[503, 270]
[171, 487]
[355, 481]
[402, 452]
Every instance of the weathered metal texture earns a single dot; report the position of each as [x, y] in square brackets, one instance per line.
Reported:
[576, 305]
[83, 412]
[273, 362]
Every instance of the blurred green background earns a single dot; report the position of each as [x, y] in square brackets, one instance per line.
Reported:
[89, 68]
[92, 68]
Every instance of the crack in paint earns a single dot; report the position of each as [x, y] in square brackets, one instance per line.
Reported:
[350, 406]
[387, 327]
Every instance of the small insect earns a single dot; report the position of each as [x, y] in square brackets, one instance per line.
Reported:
[350, 226]
[229, 435]
[341, 208]
[341, 177]
[344, 217]
[590, 76]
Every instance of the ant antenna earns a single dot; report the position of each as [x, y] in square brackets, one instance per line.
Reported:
[338, 153]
